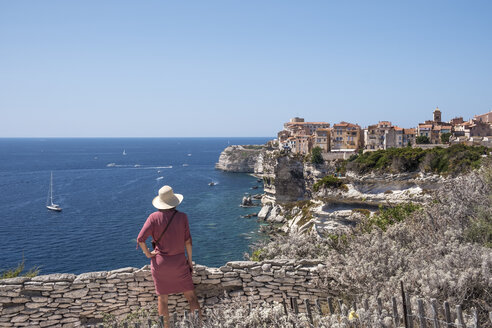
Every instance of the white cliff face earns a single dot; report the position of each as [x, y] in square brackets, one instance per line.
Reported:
[388, 197]
[241, 159]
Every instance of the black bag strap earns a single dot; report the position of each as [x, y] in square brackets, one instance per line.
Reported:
[167, 226]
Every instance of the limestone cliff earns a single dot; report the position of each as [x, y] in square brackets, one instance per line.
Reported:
[293, 204]
[241, 159]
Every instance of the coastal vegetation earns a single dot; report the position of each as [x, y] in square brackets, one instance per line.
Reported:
[453, 160]
[422, 140]
[330, 181]
[316, 157]
[445, 137]
[19, 271]
[386, 217]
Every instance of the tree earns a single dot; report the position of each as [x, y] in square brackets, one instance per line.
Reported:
[316, 157]
[422, 140]
[445, 137]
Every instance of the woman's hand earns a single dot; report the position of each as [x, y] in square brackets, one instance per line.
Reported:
[190, 264]
[151, 254]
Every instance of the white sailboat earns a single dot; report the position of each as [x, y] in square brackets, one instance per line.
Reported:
[49, 203]
[124, 152]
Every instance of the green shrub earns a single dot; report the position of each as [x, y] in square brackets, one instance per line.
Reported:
[19, 272]
[422, 140]
[300, 203]
[480, 231]
[306, 215]
[257, 255]
[363, 211]
[452, 160]
[388, 216]
[445, 137]
[330, 181]
[316, 157]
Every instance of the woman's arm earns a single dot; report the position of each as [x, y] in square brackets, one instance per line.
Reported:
[146, 251]
[142, 237]
[189, 252]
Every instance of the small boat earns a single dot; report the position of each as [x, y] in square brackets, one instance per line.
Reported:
[111, 165]
[185, 164]
[49, 203]
[124, 152]
[254, 187]
[212, 184]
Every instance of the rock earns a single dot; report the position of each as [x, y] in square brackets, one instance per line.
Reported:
[242, 264]
[78, 293]
[247, 201]
[263, 278]
[232, 283]
[19, 318]
[264, 212]
[14, 281]
[267, 267]
[13, 309]
[55, 277]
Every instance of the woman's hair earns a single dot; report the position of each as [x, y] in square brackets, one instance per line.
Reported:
[172, 208]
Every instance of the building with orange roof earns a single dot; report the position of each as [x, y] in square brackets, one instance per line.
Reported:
[346, 136]
[297, 126]
[300, 136]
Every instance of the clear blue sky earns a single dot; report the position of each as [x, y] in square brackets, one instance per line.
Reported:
[237, 68]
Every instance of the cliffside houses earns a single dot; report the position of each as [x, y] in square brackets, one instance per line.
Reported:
[301, 137]
[434, 129]
[384, 135]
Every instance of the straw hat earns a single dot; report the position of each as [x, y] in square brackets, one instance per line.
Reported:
[167, 199]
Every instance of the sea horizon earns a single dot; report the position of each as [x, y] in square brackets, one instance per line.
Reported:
[136, 138]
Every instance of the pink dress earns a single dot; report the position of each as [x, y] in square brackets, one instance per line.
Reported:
[169, 268]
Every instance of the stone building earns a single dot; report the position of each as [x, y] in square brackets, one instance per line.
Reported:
[378, 135]
[384, 135]
[434, 129]
[322, 139]
[299, 136]
[346, 137]
[485, 118]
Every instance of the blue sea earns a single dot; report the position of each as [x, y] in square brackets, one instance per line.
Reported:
[106, 197]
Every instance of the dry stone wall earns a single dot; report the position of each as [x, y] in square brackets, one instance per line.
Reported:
[67, 300]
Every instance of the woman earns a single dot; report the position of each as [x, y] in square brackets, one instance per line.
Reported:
[171, 270]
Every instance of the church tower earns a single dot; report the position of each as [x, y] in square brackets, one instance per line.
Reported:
[437, 115]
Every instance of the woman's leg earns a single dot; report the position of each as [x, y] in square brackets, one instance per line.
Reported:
[163, 309]
[193, 300]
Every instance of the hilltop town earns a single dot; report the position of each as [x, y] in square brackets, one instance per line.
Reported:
[300, 137]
